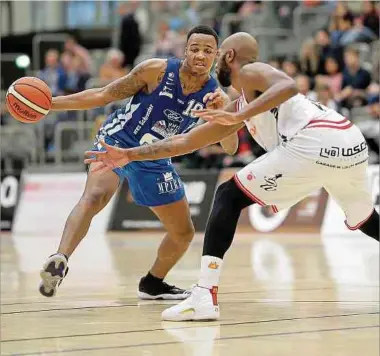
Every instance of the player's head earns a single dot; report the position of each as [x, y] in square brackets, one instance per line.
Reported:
[236, 50]
[201, 49]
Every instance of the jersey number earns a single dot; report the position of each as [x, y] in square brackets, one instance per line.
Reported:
[192, 105]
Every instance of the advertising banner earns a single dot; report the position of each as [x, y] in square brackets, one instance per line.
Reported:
[10, 192]
[47, 200]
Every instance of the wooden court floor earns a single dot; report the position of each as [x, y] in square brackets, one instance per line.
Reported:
[289, 295]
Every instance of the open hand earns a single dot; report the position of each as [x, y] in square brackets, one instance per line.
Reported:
[113, 157]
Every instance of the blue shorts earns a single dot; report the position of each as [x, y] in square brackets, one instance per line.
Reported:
[159, 185]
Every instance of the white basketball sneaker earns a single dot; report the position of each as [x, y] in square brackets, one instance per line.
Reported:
[201, 305]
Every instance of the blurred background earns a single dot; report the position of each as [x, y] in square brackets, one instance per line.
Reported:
[331, 49]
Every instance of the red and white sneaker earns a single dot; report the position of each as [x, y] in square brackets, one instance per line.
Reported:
[201, 305]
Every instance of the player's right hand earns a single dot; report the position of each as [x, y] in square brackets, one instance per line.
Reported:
[113, 157]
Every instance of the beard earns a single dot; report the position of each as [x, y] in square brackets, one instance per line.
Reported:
[224, 73]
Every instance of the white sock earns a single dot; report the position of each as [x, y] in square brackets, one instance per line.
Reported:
[210, 271]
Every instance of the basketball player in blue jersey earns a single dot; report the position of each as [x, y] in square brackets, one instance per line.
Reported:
[163, 94]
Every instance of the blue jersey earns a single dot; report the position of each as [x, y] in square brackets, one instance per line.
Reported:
[161, 114]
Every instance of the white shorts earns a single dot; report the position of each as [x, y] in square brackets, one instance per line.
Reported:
[330, 158]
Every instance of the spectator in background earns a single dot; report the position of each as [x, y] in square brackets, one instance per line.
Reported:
[355, 81]
[53, 74]
[290, 67]
[130, 39]
[333, 77]
[341, 9]
[325, 96]
[304, 85]
[5, 117]
[325, 49]
[76, 78]
[112, 69]
[370, 17]
[370, 127]
[83, 55]
[179, 42]
[309, 58]
[164, 42]
[347, 34]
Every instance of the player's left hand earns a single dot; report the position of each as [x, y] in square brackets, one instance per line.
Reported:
[218, 116]
[113, 157]
[216, 100]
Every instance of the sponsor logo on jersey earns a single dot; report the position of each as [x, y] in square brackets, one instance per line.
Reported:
[170, 80]
[143, 120]
[169, 184]
[166, 91]
[170, 127]
[250, 176]
[340, 166]
[340, 152]
[271, 183]
[173, 116]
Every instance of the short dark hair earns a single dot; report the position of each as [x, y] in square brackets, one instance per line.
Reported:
[203, 29]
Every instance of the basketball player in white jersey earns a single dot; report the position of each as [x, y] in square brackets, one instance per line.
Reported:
[309, 146]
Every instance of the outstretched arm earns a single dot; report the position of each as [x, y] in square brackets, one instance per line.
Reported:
[143, 75]
[201, 136]
[197, 138]
[276, 87]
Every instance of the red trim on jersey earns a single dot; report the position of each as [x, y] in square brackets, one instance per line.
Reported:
[247, 192]
[332, 126]
[359, 224]
[328, 121]
[274, 208]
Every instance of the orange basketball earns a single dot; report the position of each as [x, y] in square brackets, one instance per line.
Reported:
[28, 99]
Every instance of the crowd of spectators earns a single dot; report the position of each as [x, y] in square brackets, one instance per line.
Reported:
[329, 68]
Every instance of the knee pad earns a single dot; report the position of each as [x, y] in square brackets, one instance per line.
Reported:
[229, 193]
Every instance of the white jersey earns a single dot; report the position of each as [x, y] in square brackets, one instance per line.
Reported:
[286, 120]
[310, 147]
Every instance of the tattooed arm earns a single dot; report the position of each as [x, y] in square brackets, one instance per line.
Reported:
[201, 136]
[147, 75]
[198, 137]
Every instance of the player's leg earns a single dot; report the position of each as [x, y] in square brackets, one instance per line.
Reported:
[228, 203]
[274, 179]
[180, 231]
[98, 191]
[351, 191]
